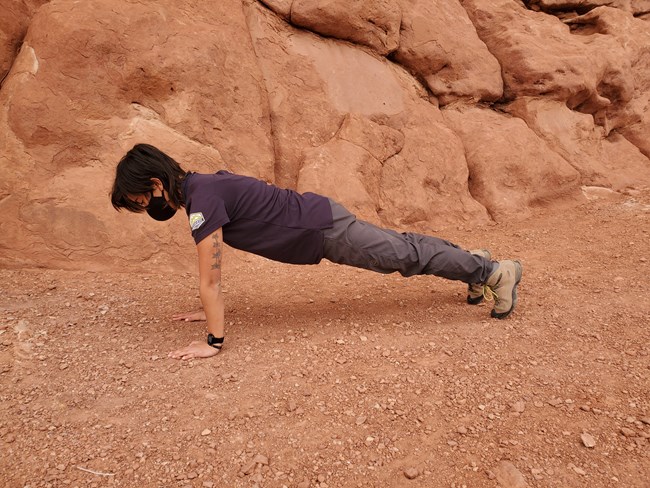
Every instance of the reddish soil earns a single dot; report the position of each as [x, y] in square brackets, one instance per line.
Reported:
[337, 377]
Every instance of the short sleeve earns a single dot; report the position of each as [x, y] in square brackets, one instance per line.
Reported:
[207, 213]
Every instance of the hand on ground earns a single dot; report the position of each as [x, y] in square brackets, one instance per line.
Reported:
[190, 316]
[196, 349]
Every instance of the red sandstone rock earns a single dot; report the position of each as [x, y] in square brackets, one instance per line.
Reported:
[601, 161]
[301, 93]
[13, 26]
[440, 46]
[280, 7]
[510, 168]
[375, 24]
[636, 7]
[348, 168]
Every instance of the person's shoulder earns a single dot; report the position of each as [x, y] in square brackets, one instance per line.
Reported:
[219, 175]
[206, 178]
[212, 184]
[198, 183]
[223, 180]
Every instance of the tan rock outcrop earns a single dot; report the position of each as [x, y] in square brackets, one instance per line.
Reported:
[630, 39]
[16, 15]
[637, 133]
[598, 66]
[542, 56]
[81, 94]
[374, 24]
[425, 185]
[280, 7]
[314, 84]
[440, 46]
[348, 167]
[505, 157]
[636, 7]
[342, 98]
[601, 161]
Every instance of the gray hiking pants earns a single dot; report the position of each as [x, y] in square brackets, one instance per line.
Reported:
[363, 245]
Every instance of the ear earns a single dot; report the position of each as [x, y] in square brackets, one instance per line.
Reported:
[157, 184]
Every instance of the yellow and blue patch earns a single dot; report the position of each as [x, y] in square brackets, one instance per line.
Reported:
[196, 220]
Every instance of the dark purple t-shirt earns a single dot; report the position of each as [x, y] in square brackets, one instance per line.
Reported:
[256, 217]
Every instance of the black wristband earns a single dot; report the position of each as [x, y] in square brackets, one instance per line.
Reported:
[216, 342]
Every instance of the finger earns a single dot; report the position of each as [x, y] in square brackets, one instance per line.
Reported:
[183, 314]
[178, 353]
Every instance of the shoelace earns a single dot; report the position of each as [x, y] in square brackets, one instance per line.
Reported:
[489, 294]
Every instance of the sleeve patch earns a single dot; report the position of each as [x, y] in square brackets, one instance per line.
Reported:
[196, 220]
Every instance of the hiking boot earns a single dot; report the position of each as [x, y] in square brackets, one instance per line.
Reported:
[475, 291]
[502, 285]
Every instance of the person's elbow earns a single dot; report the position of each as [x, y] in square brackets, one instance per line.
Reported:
[211, 283]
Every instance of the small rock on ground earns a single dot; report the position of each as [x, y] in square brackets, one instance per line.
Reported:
[509, 476]
[411, 473]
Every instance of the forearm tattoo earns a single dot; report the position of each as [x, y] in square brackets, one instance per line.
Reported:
[217, 251]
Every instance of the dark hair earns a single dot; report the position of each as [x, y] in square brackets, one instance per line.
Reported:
[134, 172]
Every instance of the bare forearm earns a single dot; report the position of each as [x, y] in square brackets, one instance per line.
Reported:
[212, 300]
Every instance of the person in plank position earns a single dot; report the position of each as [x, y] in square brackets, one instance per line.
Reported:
[286, 226]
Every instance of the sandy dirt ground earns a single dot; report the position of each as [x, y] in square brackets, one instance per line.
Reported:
[337, 377]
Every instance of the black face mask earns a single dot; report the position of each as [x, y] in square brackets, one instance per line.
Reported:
[159, 209]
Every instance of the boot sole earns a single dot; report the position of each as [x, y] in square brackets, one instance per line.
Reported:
[518, 275]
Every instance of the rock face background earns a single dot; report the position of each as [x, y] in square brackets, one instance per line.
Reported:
[416, 114]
